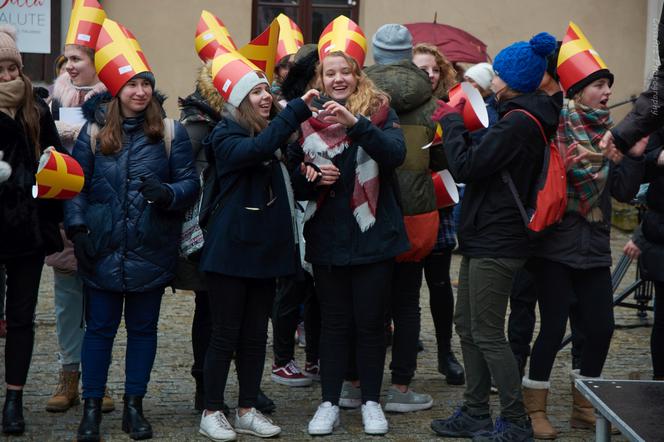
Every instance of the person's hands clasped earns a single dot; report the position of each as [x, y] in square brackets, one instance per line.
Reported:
[337, 113]
[321, 175]
[632, 250]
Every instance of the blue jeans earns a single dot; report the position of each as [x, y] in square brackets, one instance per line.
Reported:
[102, 315]
[68, 302]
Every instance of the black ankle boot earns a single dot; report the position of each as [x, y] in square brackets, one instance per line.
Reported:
[264, 404]
[12, 413]
[450, 367]
[133, 421]
[88, 430]
[199, 396]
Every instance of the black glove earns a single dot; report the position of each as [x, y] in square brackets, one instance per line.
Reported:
[156, 192]
[84, 252]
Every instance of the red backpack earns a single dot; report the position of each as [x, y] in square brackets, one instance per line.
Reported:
[550, 197]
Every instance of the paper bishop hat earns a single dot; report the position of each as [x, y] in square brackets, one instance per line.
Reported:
[262, 50]
[290, 37]
[118, 56]
[578, 62]
[85, 22]
[210, 34]
[234, 76]
[343, 34]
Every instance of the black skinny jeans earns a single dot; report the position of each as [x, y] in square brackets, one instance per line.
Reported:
[240, 310]
[558, 286]
[292, 292]
[23, 276]
[657, 336]
[441, 297]
[201, 329]
[353, 298]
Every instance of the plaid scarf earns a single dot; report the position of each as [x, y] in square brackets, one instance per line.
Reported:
[323, 141]
[580, 130]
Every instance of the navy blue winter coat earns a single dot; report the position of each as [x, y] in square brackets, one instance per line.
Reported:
[136, 243]
[251, 235]
[332, 235]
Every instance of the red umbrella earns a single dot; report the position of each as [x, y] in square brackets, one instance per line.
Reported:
[456, 44]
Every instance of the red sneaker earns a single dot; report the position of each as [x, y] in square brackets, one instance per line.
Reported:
[290, 375]
[312, 370]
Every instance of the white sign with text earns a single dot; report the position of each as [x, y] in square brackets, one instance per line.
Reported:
[32, 20]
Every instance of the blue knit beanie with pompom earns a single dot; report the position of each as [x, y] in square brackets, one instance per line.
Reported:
[521, 65]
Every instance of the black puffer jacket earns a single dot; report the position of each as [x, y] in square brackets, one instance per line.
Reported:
[491, 225]
[136, 243]
[27, 225]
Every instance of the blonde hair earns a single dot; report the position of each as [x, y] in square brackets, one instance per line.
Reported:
[447, 72]
[367, 98]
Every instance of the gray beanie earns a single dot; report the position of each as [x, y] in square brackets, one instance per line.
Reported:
[8, 49]
[392, 43]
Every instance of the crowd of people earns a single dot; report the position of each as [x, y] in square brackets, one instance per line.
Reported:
[315, 202]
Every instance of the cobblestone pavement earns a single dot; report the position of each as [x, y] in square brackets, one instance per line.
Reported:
[169, 404]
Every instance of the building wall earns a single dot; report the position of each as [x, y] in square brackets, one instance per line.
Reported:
[616, 28]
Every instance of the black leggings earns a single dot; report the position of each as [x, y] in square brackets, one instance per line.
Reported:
[657, 336]
[352, 298]
[558, 286]
[441, 298]
[239, 309]
[201, 329]
[23, 276]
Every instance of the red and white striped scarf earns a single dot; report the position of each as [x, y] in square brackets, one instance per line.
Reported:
[323, 141]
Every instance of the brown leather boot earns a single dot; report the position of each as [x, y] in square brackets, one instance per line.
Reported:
[534, 399]
[66, 392]
[107, 403]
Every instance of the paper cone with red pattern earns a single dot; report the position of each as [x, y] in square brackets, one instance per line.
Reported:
[474, 112]
[445, 189]
[262, 50]
[343, 34]
[211, 33]
[234, 76]
[118, 56]
[577, 58]
[59, 176]
[290, 37]
[85, 21]
[437, 137]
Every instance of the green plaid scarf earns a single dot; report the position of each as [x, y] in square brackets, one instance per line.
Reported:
[580, 130]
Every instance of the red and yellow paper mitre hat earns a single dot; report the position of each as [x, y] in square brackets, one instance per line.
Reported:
[210, 34]
[59, 176]
[234, 76]
[290, 37]
[262, 50]
[343, 34]
[578, 62]
[85, 22]
[118, 56]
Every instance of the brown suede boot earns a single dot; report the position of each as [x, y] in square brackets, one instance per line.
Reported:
[107, 403]
[583, 412]
[534, 399]
[66, 392]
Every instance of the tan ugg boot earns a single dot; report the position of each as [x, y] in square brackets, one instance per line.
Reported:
[534, 398]
[583, 412]
[107, 403]
[66, 392]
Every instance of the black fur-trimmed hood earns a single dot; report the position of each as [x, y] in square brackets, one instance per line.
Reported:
[94, 108]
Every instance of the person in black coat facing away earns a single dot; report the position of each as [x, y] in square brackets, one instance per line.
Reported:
[492, 236]
[28, 226]
[250, 239]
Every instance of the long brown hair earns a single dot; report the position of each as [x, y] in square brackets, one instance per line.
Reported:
[447, 72]
[28, 115]
[367, 98]
[110, 136]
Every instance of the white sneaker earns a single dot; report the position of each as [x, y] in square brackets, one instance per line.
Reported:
[216, 427]
[373, 418]
[325, 420]
[254, 423]
[350, 397]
